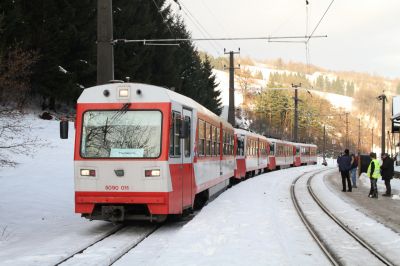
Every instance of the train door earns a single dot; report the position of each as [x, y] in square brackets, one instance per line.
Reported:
[187, 159]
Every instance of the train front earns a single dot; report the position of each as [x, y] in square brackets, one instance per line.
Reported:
[121, 154]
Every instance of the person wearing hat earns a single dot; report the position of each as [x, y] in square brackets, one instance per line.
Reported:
[374, 173]
[344, 163]
[387, 171]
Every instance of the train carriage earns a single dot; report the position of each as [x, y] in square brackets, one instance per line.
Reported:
[281, 155]
[143, 152]
[251, 153]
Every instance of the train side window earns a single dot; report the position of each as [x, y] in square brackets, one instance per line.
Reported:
[200, 147]
[224, 143]
[208, 139]
[240, 146]
[175, 141]
[214, 141]
[272, 149]
[187, 140]
[218, 141]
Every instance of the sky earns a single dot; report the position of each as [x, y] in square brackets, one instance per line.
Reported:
[363, 35]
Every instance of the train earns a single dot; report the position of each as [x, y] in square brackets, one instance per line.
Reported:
[144, 152]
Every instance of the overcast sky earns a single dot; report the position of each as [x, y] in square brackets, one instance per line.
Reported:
[363, 35]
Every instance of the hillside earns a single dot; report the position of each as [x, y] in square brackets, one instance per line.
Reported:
[325, 98]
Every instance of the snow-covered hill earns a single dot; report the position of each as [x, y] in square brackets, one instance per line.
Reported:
[222, 77]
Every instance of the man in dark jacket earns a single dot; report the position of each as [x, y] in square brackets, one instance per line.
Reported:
[387, 171]
[344, 163]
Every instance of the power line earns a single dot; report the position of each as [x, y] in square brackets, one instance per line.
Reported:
[162, 16]
[198, 25]
[217, 39]
[216, 19]
[326, 11]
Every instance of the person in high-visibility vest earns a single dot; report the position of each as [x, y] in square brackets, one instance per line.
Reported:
[374, 173]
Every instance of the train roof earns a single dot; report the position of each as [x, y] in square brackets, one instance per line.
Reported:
[249, 133]
[279, 141]
[140, 92]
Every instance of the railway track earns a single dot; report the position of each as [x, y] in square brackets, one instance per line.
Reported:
[335, 256]
[110, 247]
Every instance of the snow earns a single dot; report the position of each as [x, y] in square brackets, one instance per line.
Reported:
[222, 77]
[253, 223]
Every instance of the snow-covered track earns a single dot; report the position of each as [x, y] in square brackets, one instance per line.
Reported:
[359, 239]
[307, 223]
[112, 246]
[325, 232]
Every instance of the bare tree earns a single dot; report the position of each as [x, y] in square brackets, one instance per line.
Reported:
[15, 138]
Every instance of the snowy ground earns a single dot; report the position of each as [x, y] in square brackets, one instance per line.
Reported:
[253, 223]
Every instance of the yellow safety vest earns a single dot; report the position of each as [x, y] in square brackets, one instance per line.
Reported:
[377, 171]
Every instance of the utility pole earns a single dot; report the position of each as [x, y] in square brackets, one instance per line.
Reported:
[105, 49]
[324, 147]
[231, 109]
[359, 136]
[382, 98]
[296, 116]
[347, 130]
[372, 139]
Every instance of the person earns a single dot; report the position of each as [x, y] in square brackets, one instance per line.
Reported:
[344, 163]
[374, 173]
[387, 171]
[353, 170]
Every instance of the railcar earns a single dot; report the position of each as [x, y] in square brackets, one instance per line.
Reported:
[144, 152]
[307, 153]
[281, 154]
[251, 154]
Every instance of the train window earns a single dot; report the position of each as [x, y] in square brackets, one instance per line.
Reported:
[187, 140]
[224, 148]
[272, 149]
[200, 147]
[218, 141]
[231, 144]
[208, 139]
[214, 141]
[175, 141]
[240, 146]
[130, 134]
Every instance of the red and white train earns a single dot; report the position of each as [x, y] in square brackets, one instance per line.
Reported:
[144, 152]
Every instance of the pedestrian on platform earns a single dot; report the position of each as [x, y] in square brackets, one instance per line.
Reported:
[344, 163]
[387, 171]
[353, 170]
[374, 173]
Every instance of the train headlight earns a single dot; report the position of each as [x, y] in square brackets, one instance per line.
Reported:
[152, 173]
[88, 172]
[123, 92]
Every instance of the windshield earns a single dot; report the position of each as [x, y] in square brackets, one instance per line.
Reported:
[121, 134]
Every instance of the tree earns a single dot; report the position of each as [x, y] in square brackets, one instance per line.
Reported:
[15, 74]
[15, 138]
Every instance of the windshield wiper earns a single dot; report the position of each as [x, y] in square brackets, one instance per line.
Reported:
[121, 111]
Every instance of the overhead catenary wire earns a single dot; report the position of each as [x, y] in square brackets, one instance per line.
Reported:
[162, 16]
[198, 25]
[216, 19]
[217, 39]
[319, 22]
